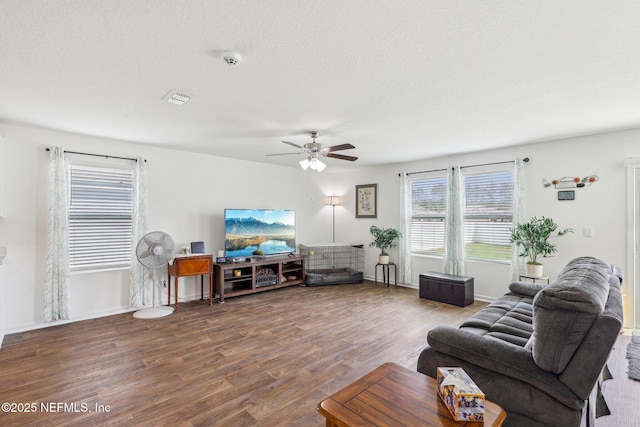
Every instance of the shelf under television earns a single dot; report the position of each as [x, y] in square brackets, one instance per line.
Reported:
[228, 285]
[234, 292]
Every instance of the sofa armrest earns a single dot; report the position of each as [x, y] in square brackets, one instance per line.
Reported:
[526, 288]
[501, 357]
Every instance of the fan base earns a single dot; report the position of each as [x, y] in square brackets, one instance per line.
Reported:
[153, 313]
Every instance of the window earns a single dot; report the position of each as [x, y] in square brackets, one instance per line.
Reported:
[488, 212]
[428, 200]
[100, 218]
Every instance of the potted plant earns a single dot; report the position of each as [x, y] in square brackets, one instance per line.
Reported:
[533, 239]
[384, 238]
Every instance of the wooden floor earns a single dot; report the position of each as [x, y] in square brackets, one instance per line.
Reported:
[621, 393]
[266, 359]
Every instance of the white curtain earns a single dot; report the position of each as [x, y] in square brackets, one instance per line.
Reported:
[404, 264]
[454, 225]
[57, 276]
[517, 262]
[140, 286]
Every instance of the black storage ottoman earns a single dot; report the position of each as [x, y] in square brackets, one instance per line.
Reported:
[457, 290]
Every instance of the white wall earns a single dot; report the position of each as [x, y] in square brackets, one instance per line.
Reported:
[188, 193]
[601, 206]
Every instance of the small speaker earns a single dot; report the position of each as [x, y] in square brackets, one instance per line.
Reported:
[197, 247]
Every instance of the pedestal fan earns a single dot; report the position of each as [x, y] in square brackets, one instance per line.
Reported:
[154, 251]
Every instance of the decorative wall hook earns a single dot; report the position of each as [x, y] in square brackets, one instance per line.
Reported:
[590, 179]
[571, 182]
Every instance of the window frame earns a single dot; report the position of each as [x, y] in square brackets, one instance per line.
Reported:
[479, 217]
[439, 178]
[84, 218]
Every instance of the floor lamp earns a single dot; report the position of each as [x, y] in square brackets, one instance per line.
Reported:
[334, 201]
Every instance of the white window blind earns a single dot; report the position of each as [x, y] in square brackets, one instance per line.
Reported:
[488, 212]
[100, 216]
[428, 200]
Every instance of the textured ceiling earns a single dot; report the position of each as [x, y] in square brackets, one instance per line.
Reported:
[401, 80]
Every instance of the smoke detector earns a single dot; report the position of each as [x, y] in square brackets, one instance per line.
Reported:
[231, 58]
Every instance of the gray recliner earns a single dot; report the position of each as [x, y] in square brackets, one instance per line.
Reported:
[540, 350]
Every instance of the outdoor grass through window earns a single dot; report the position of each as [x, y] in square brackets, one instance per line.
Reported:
[476, 250]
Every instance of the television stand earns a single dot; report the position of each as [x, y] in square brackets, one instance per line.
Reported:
[248, 277]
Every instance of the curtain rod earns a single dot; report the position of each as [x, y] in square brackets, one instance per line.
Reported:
[526, 160]
[99, 155]
[432, 170]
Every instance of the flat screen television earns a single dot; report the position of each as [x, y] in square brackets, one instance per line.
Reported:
[273, 231]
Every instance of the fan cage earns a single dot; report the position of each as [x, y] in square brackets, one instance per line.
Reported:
[332, 256]
[146, 246]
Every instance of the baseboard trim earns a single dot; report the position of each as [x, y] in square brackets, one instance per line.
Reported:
[86, 316]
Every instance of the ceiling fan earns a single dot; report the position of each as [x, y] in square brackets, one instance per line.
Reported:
[313, 149]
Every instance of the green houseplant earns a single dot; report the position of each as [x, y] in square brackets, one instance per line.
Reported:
[384, 238]
[533, 239]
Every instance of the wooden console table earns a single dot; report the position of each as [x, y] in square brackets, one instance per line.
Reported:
[194, 265]
[392, 395]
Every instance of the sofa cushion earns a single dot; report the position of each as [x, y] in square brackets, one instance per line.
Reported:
[508, 319]
[526, 288]
[564, 311]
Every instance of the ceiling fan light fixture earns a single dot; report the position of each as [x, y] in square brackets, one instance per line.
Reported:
[317, 165]
[312, 163]
[314, 149]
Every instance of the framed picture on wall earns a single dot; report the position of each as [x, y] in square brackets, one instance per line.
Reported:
[367, 201]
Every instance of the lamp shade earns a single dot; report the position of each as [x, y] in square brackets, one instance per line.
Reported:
[333, 201]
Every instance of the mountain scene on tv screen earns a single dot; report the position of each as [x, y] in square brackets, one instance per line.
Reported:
[244, 235]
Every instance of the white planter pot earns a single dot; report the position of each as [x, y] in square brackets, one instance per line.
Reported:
[534, 270]
[383, 259]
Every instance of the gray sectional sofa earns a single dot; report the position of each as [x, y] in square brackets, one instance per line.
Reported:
[540, 350]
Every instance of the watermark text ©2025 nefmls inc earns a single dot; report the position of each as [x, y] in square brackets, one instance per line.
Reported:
[54, 407]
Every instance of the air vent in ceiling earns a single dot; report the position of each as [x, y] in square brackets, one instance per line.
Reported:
[177, 98]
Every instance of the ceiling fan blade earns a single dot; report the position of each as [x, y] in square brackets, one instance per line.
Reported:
[342, 157]
[281, 154]
[293, 145]
[339, 147]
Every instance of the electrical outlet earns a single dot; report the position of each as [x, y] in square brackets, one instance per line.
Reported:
[587, 231]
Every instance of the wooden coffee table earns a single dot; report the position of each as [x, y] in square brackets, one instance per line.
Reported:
[392, 395]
